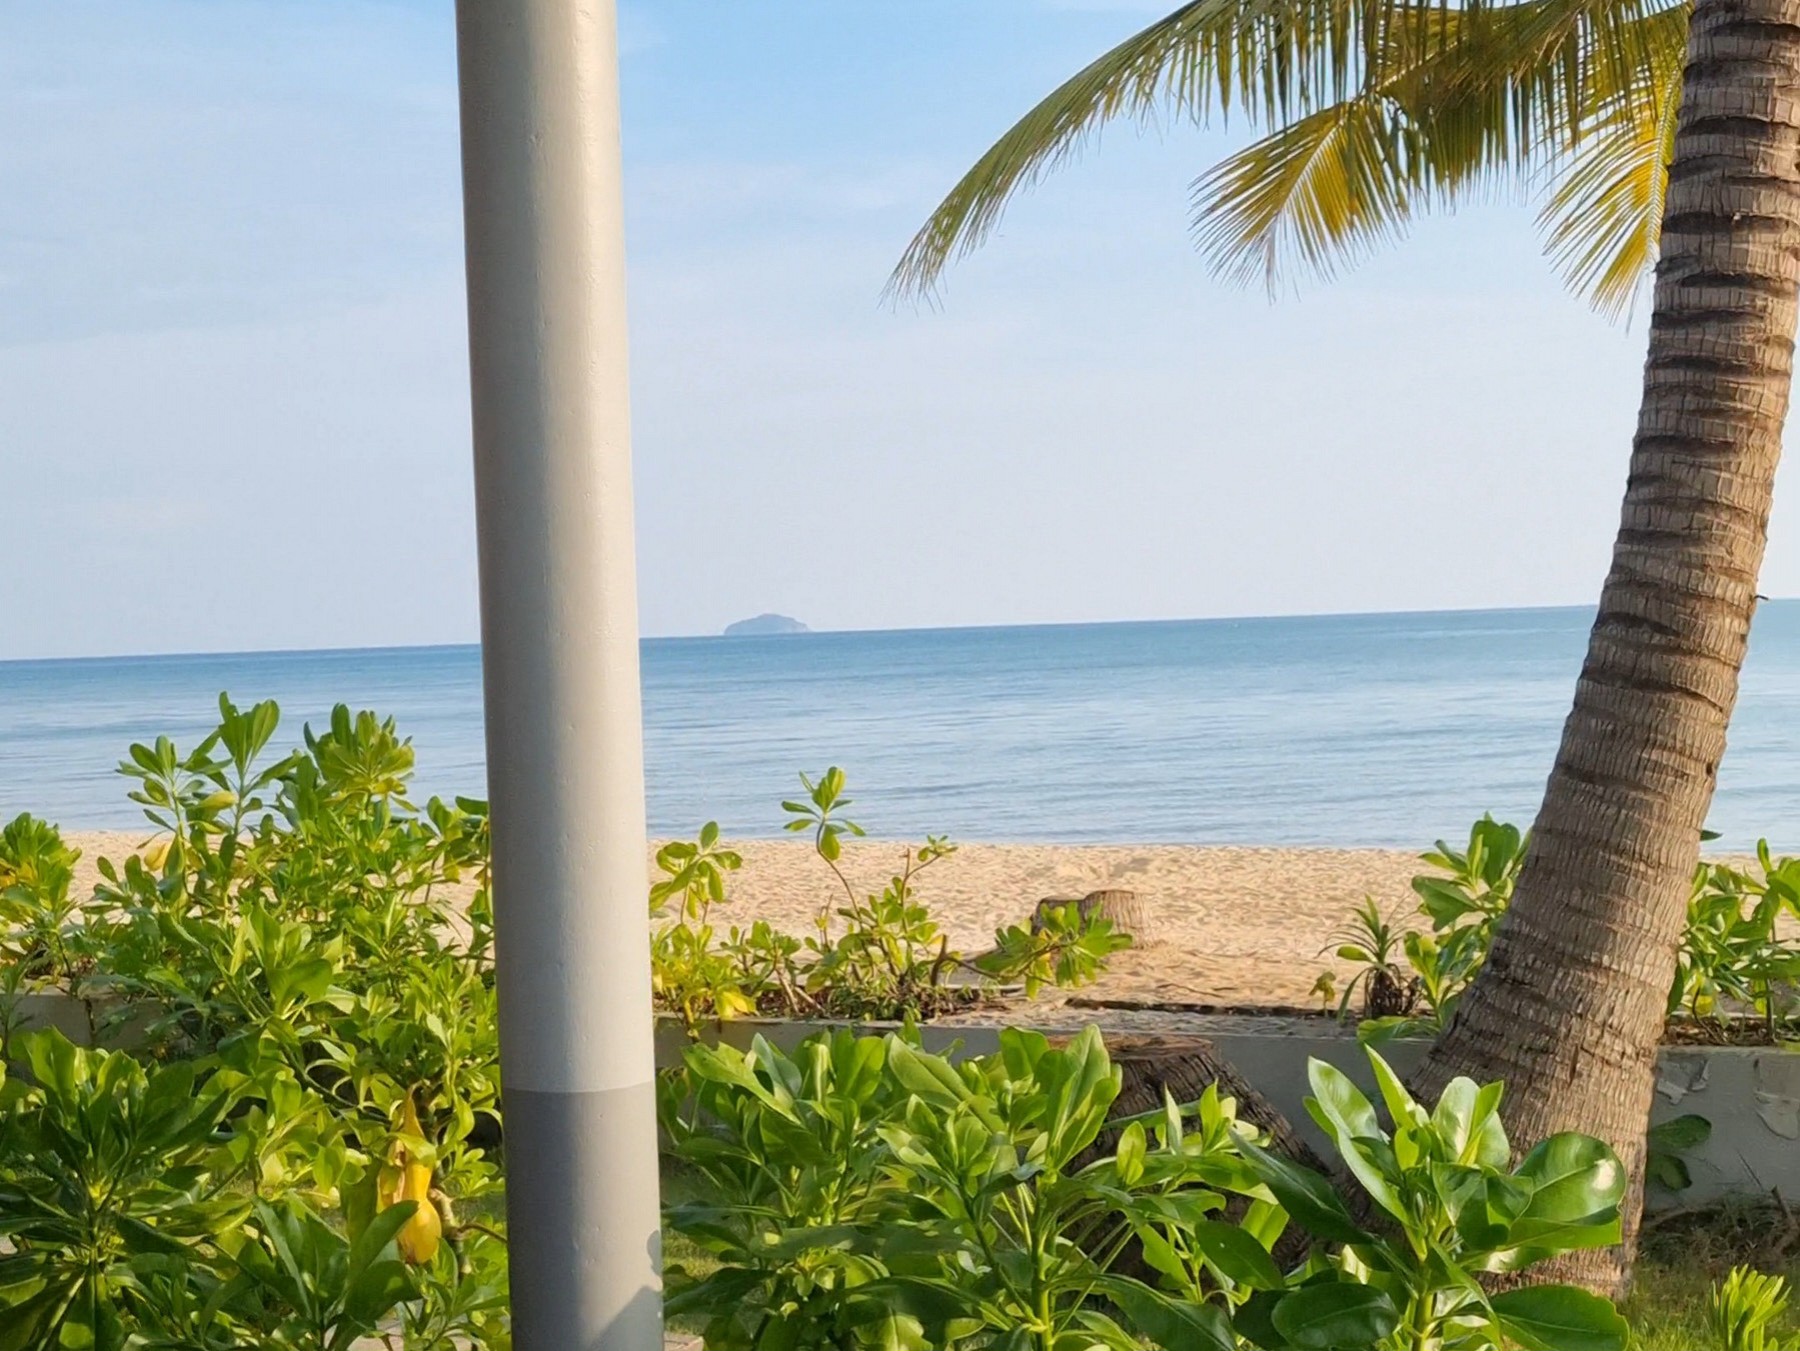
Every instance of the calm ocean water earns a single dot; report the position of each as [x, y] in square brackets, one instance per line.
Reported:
[1343, 730]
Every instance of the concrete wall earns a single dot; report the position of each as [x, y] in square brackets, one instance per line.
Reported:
[1751, 1096]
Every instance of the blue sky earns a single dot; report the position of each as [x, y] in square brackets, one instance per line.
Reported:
[232, 369]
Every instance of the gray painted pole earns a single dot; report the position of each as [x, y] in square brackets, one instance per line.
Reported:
[546, 271]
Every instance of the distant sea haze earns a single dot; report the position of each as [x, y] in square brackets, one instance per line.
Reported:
[1378, 730]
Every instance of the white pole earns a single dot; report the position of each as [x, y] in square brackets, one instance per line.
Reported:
[546, 273]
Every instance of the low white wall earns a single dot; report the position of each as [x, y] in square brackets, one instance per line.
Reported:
[1750, 1095]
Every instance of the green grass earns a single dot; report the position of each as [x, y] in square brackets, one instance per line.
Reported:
[1681, 1258]
[680, 1183]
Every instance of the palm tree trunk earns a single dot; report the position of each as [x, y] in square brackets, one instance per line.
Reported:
[1569, 1008]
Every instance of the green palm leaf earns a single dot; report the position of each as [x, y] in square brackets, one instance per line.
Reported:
[1374, 112]
[1270, 58]
[1320, 191]
[1604, 216]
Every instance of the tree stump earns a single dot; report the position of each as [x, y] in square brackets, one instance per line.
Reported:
[1126, 911]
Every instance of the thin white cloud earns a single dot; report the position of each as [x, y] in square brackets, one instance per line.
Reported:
[711, 192]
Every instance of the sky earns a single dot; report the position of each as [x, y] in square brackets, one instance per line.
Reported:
[233, 400]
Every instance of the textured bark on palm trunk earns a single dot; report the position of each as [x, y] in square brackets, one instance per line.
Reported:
[1569, 1008]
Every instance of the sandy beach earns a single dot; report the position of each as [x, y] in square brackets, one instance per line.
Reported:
[1235, 925]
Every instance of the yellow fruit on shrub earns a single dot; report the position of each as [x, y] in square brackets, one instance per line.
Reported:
[406, 1179]
[419, 1236]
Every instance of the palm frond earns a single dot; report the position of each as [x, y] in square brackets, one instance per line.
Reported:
[1554, 64]
[1604, 216]
[1317, 193]
[1377, 111]
[1274, 59]
[1474, 103]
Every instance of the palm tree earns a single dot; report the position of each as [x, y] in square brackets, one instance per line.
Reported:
[1375, 112]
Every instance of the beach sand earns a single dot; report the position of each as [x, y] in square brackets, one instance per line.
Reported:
[1237, 926]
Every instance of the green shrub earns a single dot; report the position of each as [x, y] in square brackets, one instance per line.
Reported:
[1732, 958]
[869, 956]
[40, 922]
[1451, 1208]
[313, 1090]
[796, 1181]
[108, 1174]
[286, 944]
[1744, 1309]
[865, 1192]
[303, 1286]
[1373, 943]
[1735, 971]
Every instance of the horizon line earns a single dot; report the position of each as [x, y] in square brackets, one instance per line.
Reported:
[819, 633]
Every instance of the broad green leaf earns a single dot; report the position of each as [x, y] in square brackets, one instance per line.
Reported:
[1488, 1146]
[1347, 1117]
[1573, 1178]
[1160, 1255]
[1680, 1133]
[1560, 1318]
[1081, 1083]
[1341, 1100]
[1130, 1154]
[1254, 1320]
[1169, 1322]
[1237, 1255]
[1454, 1115]
[1309, 1199]
[1534, 1242]
[1333, 1315]
[930, 1077]
[721, 1287]
[1401, 1105]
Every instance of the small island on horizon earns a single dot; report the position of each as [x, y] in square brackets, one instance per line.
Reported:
[765, 625]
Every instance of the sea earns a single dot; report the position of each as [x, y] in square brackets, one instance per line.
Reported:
[1389, 730]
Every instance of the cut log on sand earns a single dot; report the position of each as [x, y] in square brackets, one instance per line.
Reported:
[1126, 911]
